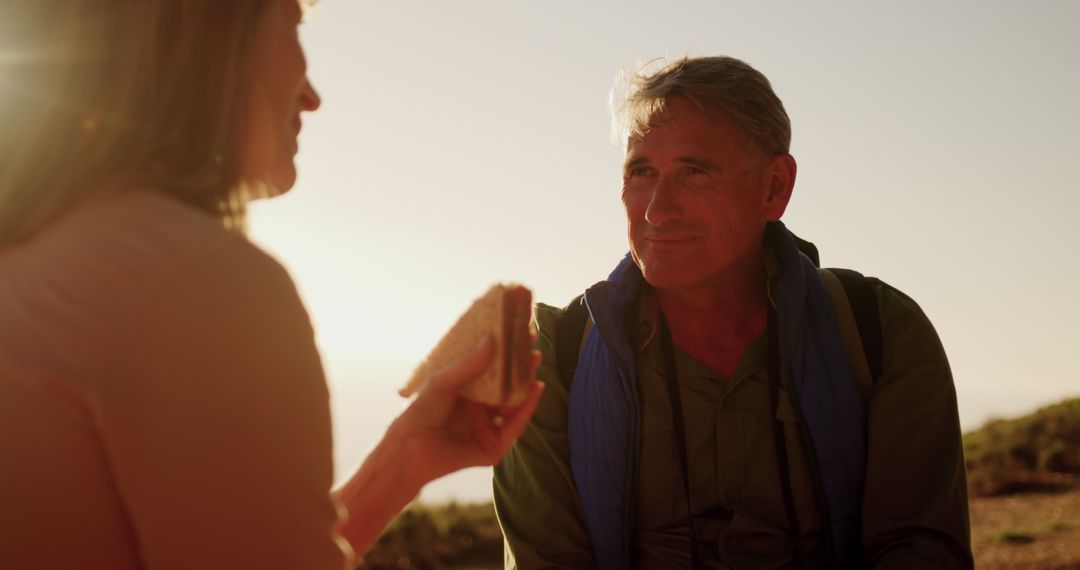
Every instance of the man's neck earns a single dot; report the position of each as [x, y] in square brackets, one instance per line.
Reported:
[716, 323]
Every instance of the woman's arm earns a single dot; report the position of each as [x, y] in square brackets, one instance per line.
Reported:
[439, 433]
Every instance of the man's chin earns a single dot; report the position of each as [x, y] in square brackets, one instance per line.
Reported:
[666, 278]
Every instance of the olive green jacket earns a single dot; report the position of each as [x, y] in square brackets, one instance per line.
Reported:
[915, 502]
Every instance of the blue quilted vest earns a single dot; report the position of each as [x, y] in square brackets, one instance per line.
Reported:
[604, 415]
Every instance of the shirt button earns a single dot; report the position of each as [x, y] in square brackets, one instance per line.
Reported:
[729, 402]
[645, 331]
[733, 496]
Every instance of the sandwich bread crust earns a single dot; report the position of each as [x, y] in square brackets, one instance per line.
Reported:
[504, 314]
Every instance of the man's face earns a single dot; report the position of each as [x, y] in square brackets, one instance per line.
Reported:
[696, 200]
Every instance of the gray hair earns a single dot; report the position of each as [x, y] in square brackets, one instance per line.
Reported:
[717, 83]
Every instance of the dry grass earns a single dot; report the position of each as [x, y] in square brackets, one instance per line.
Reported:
[438, 537]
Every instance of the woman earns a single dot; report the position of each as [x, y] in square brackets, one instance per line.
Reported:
[162, 403]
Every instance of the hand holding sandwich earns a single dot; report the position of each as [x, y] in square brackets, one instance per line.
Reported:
[473, 386]
[444, 431]
[455, 421]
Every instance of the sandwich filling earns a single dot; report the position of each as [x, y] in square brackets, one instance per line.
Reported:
[515, 337]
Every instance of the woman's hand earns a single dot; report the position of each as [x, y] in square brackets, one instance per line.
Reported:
[442, 431]
[439, 433]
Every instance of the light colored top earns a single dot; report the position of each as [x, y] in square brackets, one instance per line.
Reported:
[162, 401]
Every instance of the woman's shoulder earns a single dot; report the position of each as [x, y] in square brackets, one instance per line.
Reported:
[143, 270]
[154, 224]
[125, 253]
[136, 238]
[175, 247]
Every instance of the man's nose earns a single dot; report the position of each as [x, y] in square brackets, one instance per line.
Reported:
[664, 204]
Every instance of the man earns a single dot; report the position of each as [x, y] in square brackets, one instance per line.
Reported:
[714, 395]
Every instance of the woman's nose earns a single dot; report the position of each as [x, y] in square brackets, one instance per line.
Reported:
[309, 97]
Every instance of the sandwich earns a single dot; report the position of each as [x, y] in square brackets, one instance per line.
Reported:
[504, 313]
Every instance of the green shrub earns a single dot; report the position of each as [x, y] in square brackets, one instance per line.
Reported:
[443, 536]
[1040, 451]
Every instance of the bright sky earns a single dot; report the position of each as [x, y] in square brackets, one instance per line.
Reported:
[465, 142]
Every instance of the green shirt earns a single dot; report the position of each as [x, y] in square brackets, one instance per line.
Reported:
[729, 427]
[915, 501]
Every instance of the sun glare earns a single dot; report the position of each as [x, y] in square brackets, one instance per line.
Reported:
[8, 60]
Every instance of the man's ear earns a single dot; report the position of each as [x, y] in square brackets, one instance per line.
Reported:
[779, 179]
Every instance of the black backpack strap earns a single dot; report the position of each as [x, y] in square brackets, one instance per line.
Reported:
[568, 336]
[863, 300]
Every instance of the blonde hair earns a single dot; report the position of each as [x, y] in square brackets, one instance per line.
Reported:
[125, 93]
[717, 83]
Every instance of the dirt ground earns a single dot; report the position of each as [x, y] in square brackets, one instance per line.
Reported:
[1035, 530]
[1031, 530]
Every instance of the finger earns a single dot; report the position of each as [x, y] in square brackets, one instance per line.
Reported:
[537, 358]
[430, 408]
[487, 436]
[514, 423]
[434, 406]
[466, 368]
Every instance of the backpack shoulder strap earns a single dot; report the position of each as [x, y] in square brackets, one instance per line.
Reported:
[570, 337]
[856, 307]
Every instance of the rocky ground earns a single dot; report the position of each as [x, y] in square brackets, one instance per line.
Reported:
[1032, 530]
